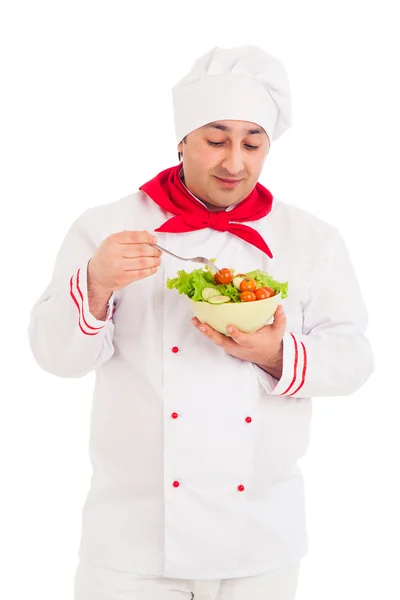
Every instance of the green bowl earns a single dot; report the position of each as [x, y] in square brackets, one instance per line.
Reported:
[245, 316]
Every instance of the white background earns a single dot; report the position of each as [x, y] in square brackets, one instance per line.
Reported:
[86, 118]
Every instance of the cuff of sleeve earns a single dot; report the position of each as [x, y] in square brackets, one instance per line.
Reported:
[88, 324]
[294, 369]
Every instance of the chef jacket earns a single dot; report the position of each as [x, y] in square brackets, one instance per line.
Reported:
[195, 452]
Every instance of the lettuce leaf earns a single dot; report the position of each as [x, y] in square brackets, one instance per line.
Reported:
[262, 279]
[192, 284]
[231, 291]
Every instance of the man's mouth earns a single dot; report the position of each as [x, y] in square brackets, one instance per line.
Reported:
[228, 183]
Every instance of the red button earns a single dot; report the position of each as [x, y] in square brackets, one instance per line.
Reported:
[241, 488]
[248, 419]
[176, 484]
[175, 349]
[174, 415]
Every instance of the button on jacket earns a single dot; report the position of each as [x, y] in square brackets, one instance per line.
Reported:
[194, 451]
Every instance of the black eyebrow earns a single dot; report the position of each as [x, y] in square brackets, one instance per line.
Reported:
[225, 128]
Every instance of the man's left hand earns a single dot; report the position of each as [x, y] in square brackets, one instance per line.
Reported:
[264, 347]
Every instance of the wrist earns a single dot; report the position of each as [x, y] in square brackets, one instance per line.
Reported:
[94, 284]
[274, 363]
[98, 296]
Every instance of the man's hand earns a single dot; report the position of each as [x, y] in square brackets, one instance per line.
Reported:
[123, 258]
[119, 260]
[264, 347]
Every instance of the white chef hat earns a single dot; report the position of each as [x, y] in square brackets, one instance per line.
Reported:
[244, 84]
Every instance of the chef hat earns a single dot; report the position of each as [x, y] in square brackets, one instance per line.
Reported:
[244, 84]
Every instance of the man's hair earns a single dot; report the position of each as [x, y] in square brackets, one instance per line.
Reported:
[179, 154]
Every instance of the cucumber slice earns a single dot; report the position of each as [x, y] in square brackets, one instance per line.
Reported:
[237, 281]
[209, 292]
[219, 299]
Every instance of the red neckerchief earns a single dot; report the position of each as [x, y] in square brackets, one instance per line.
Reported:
[168, 191]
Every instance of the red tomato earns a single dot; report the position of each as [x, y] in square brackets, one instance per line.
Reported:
[224, 276]
[261, 294]
[270, 291]
[248, 285]
[247, 297]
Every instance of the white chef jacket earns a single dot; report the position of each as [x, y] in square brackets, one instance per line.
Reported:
[195, 452]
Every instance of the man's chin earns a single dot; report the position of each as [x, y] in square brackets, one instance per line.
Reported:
[224, 201]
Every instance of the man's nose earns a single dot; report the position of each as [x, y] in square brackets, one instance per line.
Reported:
[233, 161]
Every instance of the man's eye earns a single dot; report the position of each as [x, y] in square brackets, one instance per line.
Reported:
[248, 146]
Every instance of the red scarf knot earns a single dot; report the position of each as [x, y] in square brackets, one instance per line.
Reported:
[218, 220]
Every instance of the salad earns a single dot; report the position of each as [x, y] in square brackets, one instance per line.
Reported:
[202, 285]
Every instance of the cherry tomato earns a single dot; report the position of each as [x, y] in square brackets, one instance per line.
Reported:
[261, 294]
[224, 276]
[248, 285]
[270, 291]
[247, 297]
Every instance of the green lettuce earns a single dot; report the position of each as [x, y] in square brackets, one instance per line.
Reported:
[192, 284]
[263, 279]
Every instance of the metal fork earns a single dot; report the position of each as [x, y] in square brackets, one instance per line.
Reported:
[198, 259]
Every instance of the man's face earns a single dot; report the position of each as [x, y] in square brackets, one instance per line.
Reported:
[222, 161]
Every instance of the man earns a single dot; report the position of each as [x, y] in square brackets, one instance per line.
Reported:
[195, 436]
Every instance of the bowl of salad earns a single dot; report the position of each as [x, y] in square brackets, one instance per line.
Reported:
[247, 301]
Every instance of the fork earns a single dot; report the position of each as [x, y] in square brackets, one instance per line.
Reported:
[198, 259]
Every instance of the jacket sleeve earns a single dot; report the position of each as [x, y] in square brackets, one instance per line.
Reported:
[332, 356]
[65, 338]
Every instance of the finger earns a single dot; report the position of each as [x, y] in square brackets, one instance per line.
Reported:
[135, 237]
[279, 324]
[139, 263]
[243, 339]
[214, 336]
[203, 327]
[142, 273]
[134, 250]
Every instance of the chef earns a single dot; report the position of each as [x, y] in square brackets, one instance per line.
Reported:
[195, 435]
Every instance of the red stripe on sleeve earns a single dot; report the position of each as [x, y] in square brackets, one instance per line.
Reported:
[303, 375]
[83, 314]
[79, 310]
[296, 361]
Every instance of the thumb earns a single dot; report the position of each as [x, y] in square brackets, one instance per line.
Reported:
[279, 323]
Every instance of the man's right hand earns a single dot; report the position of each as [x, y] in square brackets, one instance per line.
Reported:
[119, 260]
